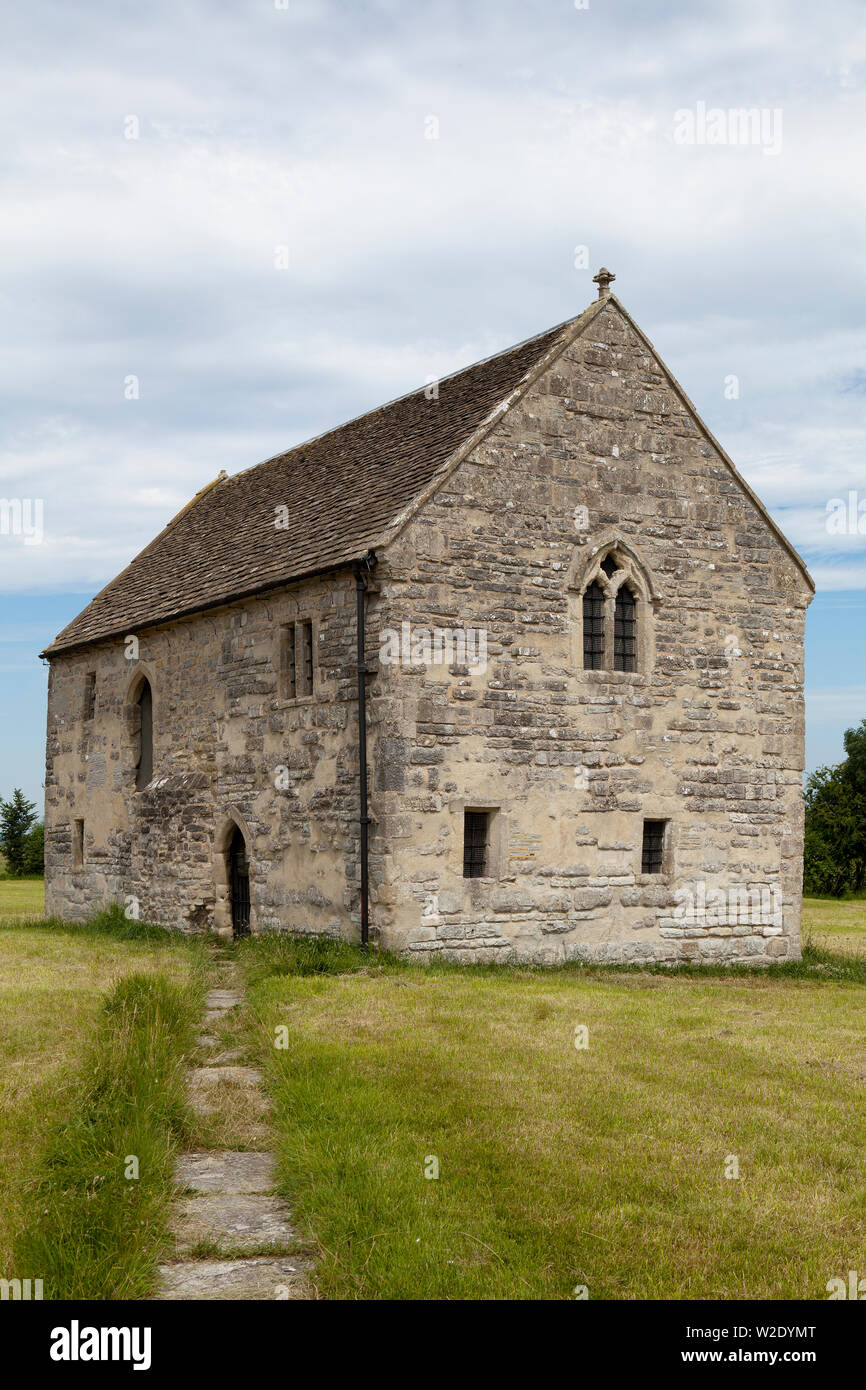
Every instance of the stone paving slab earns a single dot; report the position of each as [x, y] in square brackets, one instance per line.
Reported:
[229, 1057]
[236, 1221]
[217, 1076]
[265, 1277]
[233, 1207]
[223, 998]
[210, 1088]
[225, 1170]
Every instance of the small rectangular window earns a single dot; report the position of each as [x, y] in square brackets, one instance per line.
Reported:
[90, 695]
[652, 853]
[78, 844]
[307, 656]
[297, 661]
[476, 825]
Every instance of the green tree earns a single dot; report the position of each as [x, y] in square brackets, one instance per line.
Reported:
[835, 845]
[855, 780]
[16, 818]
[34, 850]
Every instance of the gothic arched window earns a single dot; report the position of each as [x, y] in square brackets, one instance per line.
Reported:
[613, 616]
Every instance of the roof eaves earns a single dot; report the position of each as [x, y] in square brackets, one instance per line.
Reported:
[204, 607]
[53, 648]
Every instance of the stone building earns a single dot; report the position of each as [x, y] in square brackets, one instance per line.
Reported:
[579, 673]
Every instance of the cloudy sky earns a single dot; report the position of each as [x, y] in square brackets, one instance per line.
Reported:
[228, 226]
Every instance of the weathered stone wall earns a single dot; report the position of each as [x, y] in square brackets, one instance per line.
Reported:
[709, 736]
[227, 749]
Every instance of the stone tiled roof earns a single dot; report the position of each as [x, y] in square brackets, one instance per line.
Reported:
[341, 493]
[340, 496]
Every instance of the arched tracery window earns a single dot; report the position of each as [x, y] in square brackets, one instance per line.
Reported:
[615, 612]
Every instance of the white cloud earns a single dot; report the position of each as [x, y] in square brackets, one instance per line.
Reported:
[409, 257]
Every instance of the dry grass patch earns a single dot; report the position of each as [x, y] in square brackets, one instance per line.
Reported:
[52, 983]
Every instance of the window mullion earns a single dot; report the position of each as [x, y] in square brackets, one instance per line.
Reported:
[609, 610]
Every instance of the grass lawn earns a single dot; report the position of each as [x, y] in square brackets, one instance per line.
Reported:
[22, 897]
[838, 924]
[561, 1167]
[53, 981]
[558, 1166]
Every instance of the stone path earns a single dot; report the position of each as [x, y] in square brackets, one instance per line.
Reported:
[233, 1238]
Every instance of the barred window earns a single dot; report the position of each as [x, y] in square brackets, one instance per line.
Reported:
[593, 628]
[652, 855]
[475, 839]
[611, 606]
[624, 625]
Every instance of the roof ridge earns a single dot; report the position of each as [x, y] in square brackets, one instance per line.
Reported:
[168, 578]
[342, 493]
[566, 333]
[407, 395]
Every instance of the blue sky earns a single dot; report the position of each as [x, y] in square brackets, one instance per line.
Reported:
[161, 163]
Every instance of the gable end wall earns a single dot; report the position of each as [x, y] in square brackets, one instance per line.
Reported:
[710, 737]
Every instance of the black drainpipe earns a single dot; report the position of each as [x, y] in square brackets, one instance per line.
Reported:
[360, 594]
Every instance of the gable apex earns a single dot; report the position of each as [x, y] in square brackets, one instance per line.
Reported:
[328, 502]
[705, 430]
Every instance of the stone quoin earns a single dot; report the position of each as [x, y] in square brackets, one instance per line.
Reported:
[632, 740]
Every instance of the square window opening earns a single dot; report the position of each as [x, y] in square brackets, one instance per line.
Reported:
[476, 844]
[653, 849]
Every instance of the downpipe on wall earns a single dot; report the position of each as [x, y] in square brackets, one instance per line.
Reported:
[362, 569]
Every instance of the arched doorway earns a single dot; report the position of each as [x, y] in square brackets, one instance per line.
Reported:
[239, 884]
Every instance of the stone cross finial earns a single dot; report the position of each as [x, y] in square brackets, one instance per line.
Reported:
[603, 279]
